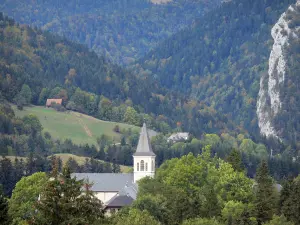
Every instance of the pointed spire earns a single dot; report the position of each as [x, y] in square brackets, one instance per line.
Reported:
[144, 145]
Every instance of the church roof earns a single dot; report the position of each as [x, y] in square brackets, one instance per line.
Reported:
[144, 146]
[119, 201]
[106, 182]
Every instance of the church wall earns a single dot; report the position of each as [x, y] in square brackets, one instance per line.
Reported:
[138, 173]
[105, 196]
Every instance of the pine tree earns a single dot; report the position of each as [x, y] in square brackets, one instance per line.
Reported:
[285, 202]
[265, 202]
[3, 208]
[235, 159]
[62, 201]
[290, 202]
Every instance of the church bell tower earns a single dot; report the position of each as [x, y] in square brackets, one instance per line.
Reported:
[144, 157]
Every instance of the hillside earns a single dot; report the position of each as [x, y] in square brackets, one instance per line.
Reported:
[121, 30]
[220, 59]
[81, 160]
[65, 157]
[37, 65]
[80, 128]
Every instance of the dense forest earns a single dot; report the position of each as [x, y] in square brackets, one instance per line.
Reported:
[122, 30]
[203, 80]
[37, 65]
[220, 59]
[191, 190]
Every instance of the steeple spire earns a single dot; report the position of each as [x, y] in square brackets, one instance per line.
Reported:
[144, 157]
[144, 146]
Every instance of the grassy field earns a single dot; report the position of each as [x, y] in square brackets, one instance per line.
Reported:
[80, 128]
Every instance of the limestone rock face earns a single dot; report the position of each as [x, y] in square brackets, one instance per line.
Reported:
[269, 101]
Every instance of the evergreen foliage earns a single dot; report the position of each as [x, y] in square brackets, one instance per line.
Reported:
[121, 30]
[290, 202]
[265, 202]
[48, 66]
[219, 60]
[4, 218]
[62, 201]
[235, 159]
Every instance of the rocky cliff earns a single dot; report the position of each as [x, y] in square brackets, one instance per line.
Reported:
[272, 84]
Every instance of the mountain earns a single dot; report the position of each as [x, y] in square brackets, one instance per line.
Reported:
[279, 97]
[221, 58]
[123, 30]
[36, 65]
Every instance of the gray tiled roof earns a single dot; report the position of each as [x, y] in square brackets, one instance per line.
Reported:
[130, 190]
[119, 201]
[110, 182]
[144, 146]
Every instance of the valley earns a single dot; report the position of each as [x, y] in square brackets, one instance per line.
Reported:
[92, 92]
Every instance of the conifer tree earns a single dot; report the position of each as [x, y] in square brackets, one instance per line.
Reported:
[290, 202]
[265, 202]
[235, 159]
[62, 201]
[3, 208]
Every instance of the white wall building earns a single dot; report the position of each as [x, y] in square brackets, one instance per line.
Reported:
[116, 190]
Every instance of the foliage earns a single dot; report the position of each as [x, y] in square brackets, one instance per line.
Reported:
[220, 58]
[4, 218]
[135, 217]
[201, 221]
[62, 201]
[121, 30]
[235, 159]
[279, 220]
[205, 185]
[265, 201]
[290, 203]
[25, 196]
[54, 67]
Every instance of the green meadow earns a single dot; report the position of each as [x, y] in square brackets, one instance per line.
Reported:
[80, 128]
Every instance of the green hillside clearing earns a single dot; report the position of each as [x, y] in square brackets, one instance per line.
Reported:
[80, 128]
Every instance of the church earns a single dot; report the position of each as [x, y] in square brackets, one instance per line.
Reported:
[117, 190]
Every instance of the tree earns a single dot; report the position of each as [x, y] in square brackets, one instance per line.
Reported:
[201, 221]
[134, 217]
[131, 116]
[3, 208]
[32, 123]
[62, 201]
[235, 159]
[265, 201]
[25, 196]
[43, 96]
[279, 220]
[26, 93]
[238, 213]
[290, 200]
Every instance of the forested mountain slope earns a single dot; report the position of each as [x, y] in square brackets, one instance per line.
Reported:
[123, 30]
[279, 97]
[220, 59]
[36, 65]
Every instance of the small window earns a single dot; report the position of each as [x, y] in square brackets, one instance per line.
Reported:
[146, 167]
[142, 165]
[138, 167]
